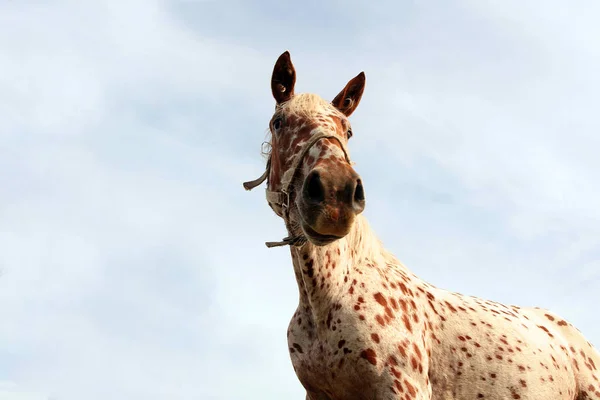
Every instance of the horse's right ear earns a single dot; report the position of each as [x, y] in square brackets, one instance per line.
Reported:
[283, 79]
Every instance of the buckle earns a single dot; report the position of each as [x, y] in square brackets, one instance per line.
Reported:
[286, 199]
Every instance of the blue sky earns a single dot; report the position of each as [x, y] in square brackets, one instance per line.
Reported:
[133, 262]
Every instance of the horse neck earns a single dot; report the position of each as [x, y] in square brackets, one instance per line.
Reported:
[325, 273]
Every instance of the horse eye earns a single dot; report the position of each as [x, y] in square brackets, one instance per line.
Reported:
[277, 124]
[349, 133]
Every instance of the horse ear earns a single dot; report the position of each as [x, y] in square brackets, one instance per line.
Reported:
[283, 78]
[347, 100]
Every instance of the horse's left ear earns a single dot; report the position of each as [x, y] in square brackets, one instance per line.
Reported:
[283, 79]
[347, 100]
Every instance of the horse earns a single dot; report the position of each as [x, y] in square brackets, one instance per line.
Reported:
[366, 327]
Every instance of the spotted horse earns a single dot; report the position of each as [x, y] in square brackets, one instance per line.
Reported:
[366, 327]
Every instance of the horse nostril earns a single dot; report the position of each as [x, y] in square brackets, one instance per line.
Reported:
[359, 192]
[359, 195]
[313, 188]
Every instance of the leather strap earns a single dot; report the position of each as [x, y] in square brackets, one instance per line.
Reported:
[280, 199]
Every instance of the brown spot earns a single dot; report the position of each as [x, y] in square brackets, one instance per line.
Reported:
[545, 330]
[450, 306]
[523, 383]
[403, 287]
[407, 323]
[341, 343]
[398, 386]
[389, 314]
[417, 352]
[298, 348]
[380, 299]
[414, 363]
[309, 268]
[375, 337]
[369, 355]
[380, 320]
[402, 350]
[410, 388]
[403, 305]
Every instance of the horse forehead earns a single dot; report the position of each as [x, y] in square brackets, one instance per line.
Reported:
[300, 129]
[304, 125]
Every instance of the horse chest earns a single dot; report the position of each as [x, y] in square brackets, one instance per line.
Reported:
[326, 344]
[347, 356]
[327, 356]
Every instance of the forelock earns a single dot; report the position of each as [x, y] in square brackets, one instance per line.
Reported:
[306, 105]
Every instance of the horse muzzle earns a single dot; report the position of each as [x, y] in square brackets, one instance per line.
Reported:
[329, 202]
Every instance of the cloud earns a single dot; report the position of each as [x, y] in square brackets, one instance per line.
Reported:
[11, 391]
[110, 219]
[133, 263]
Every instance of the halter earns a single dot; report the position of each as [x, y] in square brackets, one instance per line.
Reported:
[281, 198]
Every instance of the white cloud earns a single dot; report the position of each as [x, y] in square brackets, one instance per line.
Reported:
[11, 391]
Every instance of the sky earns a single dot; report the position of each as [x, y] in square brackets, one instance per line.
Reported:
[132, 262]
